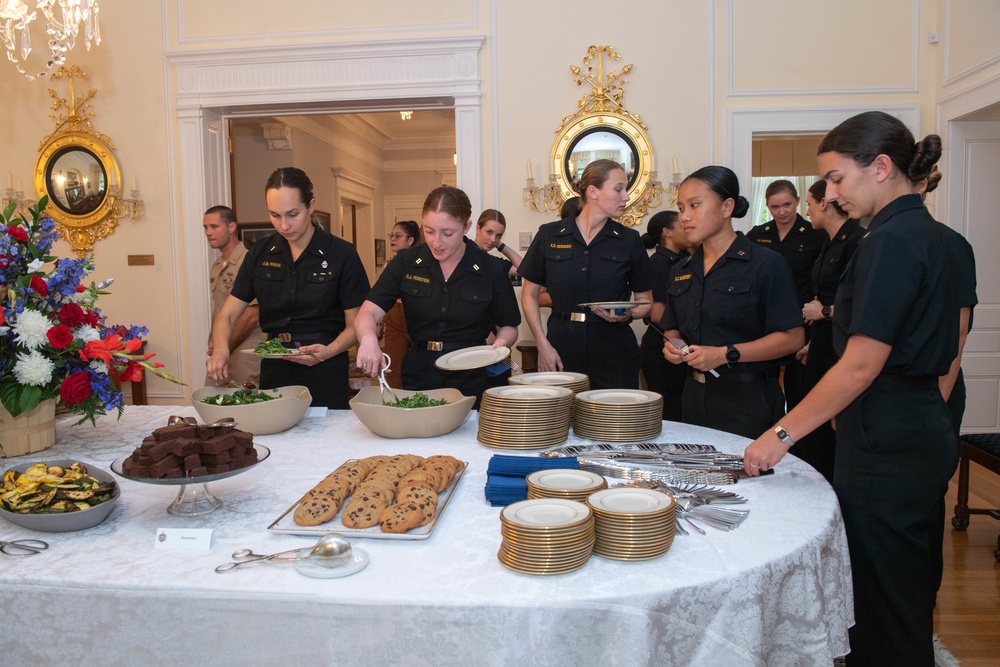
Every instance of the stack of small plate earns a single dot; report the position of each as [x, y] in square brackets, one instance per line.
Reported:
[546, 536]
[565, 483]
[632, 523]
[524, 416]
[576, 381]
[618, 415]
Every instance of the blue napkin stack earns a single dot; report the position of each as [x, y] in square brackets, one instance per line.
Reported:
[505, 475]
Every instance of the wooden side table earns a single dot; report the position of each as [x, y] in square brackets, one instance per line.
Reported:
[529, 356]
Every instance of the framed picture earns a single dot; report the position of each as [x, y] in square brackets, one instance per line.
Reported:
[379, 252]
[251, 232]
[323, 218]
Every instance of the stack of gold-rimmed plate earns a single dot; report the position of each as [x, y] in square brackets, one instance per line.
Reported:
[576, 381]
[546, 536]
[566, 483]
[618, 415]
[632, 523]
[524, 416]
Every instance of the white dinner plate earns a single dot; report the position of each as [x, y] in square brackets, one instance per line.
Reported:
[630, 500]
[468, 358]
[546, 512]
[565, 479]
[547, 377]
[359, 559]
[618, 396]
[613, 305]
[275, 355]
[529, 391]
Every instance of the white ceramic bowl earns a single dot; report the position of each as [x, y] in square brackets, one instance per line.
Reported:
[265, 418]
[63, 523]
[411, 422]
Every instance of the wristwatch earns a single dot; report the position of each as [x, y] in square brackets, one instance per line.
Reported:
[501, 246]
[782, 434]
[732, 355]
[827, 312]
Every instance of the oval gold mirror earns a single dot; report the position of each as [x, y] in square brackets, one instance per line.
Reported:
[600, 135]
[78, 172]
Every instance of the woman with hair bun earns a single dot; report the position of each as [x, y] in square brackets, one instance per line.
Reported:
[896, 328]
[583, 259]
[490, 228]
[734, 303]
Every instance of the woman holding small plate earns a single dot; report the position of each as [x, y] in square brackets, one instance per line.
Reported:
[454, 295]
[592, 266]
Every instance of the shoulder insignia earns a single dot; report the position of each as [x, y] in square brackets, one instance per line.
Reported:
[562, 230]
[319, 250]
[741, 252]
[615, 232]
[802, 229]
[475, 266]
[419, 260]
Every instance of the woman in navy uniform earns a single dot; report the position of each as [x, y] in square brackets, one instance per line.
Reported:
[735, 305]
[454, 295]
[309, 285]
[490, 228]
[670, 245]
[896, 328]
[586, 259]
[817, 449]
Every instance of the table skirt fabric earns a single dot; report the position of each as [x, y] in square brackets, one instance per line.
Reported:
[776, 591]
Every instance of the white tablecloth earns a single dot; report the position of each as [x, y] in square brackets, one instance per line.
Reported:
[776, 591]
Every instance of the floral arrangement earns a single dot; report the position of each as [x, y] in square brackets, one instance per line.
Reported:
[54, 342]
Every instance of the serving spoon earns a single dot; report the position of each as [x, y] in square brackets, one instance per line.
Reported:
[331, 551]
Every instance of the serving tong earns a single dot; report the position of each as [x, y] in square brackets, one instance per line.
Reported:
[382, 384]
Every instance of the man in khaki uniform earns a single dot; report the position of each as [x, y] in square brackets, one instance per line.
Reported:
[221, 232]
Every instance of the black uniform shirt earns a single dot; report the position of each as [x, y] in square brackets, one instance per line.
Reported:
[662, 260]
[308, 295]
[748, 293]
[833, 259]
[900, 289]
[611, 268]
[800, 248]
[466, 307]
[965, 277]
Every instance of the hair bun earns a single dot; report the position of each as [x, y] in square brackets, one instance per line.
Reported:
[926, 153]
[741, 208]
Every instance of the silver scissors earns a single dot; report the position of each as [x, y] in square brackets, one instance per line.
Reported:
[22, 548]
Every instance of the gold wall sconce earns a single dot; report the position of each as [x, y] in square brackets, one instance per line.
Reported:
[79, 173]
[602, 128]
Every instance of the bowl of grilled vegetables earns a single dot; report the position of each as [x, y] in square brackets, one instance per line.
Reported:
[415, 414]
[57, 496]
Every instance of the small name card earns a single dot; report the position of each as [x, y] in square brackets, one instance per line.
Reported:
[316, 412]
[183, 538]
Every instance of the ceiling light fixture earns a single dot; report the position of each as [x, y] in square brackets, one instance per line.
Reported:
[15, 21]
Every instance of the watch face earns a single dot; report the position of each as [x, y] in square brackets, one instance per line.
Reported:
[732, 355]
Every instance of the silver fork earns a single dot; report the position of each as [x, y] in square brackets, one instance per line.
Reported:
[514, 366]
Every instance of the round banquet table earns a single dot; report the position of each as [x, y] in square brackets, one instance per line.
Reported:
[775, 591]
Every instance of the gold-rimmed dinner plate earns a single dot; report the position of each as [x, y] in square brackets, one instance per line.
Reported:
[630, 500]
[550, 512]
[468, 358]
[528, 392]
[566, 479]
[619, 396]
[558, 378]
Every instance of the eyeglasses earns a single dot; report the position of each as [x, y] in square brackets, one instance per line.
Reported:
[396, 235]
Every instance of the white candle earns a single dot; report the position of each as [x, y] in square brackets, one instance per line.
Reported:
[677, 169]
[530, 175]
[19, 188]
[135, 182]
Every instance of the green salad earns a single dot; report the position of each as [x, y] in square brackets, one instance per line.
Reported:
[418, 400]
[239, 397]
[273, 346]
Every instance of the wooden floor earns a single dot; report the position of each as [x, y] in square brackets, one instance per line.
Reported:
[967, 618]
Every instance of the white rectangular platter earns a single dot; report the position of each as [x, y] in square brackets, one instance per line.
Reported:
[286, 522]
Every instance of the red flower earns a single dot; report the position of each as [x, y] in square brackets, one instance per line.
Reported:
[60, 336]
[80, 289]
[3, 318]
[131, 373]
[72, 315]
[38, 285]
[18, 233]
[75, 388]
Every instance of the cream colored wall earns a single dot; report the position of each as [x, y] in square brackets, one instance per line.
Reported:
[693, 62]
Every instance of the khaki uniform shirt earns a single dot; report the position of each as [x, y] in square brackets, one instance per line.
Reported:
[242, 367]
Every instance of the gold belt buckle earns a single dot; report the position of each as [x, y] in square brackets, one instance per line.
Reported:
[435, 345]
[285, 337]
[578, 317]
[698, 376]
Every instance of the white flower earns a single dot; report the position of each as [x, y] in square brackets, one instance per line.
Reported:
[30, 329]
[99, 366]
[86, 333]
[34, 265]
[33, 369]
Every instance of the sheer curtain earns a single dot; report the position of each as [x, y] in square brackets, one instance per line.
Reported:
[758, 204]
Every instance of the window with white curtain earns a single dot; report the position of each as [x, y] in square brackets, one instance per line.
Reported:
[758, 204]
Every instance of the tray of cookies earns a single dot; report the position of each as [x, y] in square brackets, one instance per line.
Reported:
[397, 497]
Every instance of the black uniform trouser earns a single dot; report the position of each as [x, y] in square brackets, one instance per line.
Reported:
[420, 373]
[896, 451]
[819, 448]
[327, 381]
[662, 376]
[606, 351]
[744, 408]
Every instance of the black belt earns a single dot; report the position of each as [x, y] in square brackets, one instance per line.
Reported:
[569, 317]
[704, 378]
[309, 338]
[888, 382]
[443, 345]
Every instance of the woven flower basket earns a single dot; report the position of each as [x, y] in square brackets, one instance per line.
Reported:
[30, 431]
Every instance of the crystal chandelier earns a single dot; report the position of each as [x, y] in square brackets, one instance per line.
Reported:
[63, 21]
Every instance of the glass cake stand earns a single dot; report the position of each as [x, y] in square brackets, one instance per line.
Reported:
[193, 497]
